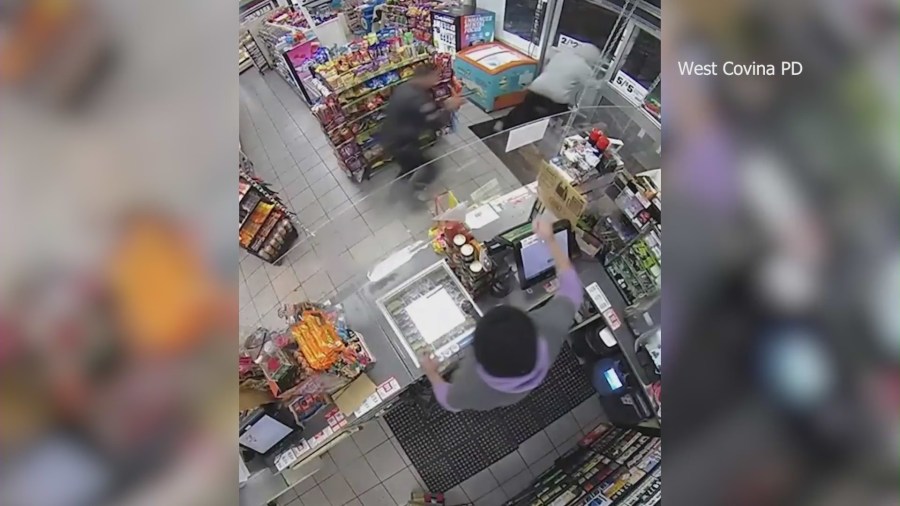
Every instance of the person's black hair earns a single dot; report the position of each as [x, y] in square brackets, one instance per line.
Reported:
[505, 342]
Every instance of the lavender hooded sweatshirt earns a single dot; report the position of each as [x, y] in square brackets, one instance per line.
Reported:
[474, 388]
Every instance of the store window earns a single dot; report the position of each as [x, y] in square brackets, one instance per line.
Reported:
[648, 17]
[519, 19]
[584, 21]
[643, 61]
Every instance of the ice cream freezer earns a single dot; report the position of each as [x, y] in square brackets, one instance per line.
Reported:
[494, 75]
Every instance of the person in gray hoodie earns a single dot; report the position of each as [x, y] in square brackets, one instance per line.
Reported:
[512, 351]
[556, 88]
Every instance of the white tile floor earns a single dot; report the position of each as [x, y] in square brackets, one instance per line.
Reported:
[290, 152]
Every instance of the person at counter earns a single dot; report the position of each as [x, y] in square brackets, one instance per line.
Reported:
[512, 351]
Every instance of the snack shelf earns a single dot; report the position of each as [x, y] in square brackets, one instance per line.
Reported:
[351, 110]
[246, 217]
[276, 228]
[356, 99]
[260, 219]
[362, 80]
[355, 119]
[369, 130]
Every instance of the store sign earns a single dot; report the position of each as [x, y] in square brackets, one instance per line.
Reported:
[558, 195]
[444, 32]
[629, 88]
[566, 41]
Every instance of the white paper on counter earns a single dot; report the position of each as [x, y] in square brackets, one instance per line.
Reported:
[480, 216]
[527, 134]
[435, 315]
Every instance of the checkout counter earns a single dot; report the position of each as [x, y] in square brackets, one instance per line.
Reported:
[395, 367]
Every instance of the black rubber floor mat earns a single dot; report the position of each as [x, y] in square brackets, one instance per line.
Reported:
[484, 129]
[448, 448]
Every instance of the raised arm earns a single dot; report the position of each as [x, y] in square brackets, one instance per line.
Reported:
[440, 386]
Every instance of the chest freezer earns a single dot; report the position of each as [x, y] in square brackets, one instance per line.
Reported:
[494, 75]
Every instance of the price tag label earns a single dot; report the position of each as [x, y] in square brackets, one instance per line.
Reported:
[334, 418]
[629, 88]
[387, 388]
[612, 319]
[609, 314]
[320, 437]
[596, 294]
[566, 41]
[369, 404]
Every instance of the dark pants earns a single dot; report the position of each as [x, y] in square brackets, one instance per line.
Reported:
[533, 107]
[410, 157]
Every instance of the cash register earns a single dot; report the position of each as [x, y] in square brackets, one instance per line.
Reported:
[518, 253]
[592, 341]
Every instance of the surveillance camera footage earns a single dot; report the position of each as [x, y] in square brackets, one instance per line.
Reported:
[119, 301]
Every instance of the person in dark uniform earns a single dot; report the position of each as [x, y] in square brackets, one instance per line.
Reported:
[410, 114]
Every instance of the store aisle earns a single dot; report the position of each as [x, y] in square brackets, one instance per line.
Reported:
[290, 152]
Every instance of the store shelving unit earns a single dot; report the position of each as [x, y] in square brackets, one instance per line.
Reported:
[285, 34]
[249, 53]
[636, 266]
[320, 11]
[353, 17]
[612, 466]
[413, 16]
[267, 228]
[353, 108]
[253, 10]
[244, 61]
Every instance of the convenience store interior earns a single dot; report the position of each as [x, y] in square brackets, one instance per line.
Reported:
[346, 226]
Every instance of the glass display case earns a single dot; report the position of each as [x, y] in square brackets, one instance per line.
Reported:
[431, 313]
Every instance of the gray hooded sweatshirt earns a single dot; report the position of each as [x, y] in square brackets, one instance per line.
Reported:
[474, 388]
[567, 73]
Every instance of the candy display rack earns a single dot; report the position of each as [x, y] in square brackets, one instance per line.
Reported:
[411, 16]
[290, 43]
[267, 227]
[356, 86]
[636, 266]
[611, 465]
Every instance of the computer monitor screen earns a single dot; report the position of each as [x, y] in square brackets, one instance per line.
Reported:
[612, 379]
[261, 435]
[536, 257]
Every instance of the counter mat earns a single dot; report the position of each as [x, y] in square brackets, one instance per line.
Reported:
[448, 448]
